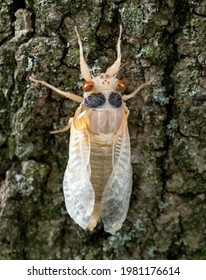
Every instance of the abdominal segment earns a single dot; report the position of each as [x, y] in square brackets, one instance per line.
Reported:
[101, 168]
[103, 128]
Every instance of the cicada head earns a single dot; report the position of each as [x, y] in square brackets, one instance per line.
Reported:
[104, 86]
[103, 82]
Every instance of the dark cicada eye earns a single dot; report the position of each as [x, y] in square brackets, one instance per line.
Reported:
[88, 86]
[115, 99]
[121, 85]
[95, 100]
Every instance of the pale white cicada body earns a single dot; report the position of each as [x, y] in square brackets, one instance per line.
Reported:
[98, 178]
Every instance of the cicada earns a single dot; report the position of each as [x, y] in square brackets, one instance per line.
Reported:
[98, 178]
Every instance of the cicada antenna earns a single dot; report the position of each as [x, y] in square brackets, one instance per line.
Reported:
[114, 68]
[83, 65]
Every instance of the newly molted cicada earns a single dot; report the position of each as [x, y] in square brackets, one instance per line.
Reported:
[98, 178]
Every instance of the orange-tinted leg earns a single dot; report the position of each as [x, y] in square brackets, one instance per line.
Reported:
[67, 94]
[67, 127]
[131, 95]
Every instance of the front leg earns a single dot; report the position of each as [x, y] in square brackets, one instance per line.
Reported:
[131, 95]
[67, 94]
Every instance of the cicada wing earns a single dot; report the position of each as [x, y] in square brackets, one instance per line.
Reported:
[78, 190]
[117, 192]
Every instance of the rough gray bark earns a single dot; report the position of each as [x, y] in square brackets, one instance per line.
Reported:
[165, 39]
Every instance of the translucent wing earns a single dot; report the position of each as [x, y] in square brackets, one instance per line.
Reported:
[116, 196]
[78, 191]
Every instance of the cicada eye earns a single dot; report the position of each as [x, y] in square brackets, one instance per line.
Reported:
[88, 86]
[121, 85]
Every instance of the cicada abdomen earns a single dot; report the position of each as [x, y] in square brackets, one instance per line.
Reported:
[98, 178]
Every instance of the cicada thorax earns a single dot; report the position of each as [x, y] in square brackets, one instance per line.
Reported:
[103, 95]
[95, 100]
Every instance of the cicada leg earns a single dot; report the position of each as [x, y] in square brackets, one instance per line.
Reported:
[67, 127]
[131, 95]
[67, 94]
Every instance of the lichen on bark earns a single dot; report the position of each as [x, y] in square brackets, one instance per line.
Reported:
[164, 39]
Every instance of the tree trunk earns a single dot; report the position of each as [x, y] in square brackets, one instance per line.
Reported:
[164, 39]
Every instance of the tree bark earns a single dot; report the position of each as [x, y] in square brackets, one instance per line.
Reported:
[164, 39]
